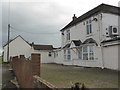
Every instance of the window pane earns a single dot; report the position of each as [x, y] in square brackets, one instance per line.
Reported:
[68, 35]
[91, 55]
[85, 56]
[91, 48]
[85, 49]
[87, 29]
[90, 21]
[68, 57]
[68, 51]
[90, 28]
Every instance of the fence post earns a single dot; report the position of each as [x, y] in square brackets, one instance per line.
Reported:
[35, 60]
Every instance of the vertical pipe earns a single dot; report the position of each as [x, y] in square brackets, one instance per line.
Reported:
[8, 42]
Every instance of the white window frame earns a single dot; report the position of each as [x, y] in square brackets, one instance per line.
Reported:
[88, 52]
[64, 54]
[89, 26]
[91, 52]
[67, 54]
[68, 35]
[85, 52]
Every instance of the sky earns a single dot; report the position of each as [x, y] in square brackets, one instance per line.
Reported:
[40, 21]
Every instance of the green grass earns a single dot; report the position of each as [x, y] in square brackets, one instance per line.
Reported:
[61, 76]
[0, 59]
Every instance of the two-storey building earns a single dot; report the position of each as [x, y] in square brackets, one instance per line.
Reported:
[92, 40]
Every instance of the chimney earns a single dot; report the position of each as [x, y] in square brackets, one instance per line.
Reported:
[32, 45]
[74, 17]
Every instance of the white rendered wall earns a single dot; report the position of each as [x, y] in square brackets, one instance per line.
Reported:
[17, 47]
[111, 57]
[45, 58]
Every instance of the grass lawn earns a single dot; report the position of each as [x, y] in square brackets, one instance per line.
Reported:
[61, 76]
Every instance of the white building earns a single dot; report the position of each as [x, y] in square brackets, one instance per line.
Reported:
[46, 52]
[19, 46]
[92, 40]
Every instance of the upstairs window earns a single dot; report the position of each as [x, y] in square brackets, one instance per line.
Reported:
[89, 26]
[68, 35]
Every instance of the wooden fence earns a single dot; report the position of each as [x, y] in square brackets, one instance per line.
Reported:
[28, 72]
[26, 69]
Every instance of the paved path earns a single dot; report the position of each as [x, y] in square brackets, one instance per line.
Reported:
[6, 77]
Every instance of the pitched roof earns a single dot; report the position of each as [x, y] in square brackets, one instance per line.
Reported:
[67, 46]
[42, 47]
[36, 46]
[89, 40]
[77, 42]
[101, 8]
[15, 38]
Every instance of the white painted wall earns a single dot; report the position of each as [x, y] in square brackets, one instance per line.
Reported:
[78, 32]
[45, 58]
[111, 57]
[17, 47]
[108, 20]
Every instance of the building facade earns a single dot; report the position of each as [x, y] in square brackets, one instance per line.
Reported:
[92, 40]
[19, 46]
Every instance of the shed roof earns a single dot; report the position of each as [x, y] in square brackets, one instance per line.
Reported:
[42, 47]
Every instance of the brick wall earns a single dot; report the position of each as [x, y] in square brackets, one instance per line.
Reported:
[28, 72]
[25, 69]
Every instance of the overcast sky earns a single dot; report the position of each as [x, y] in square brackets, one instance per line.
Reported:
[40, 21]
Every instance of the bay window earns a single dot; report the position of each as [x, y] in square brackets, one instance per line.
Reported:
[91, 53]
[67, 54]
[86, 52]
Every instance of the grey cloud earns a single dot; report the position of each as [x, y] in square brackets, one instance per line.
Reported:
[38, 18]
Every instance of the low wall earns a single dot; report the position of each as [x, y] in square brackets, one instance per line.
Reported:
[40, 83]
[28, 71]
[25, 69]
